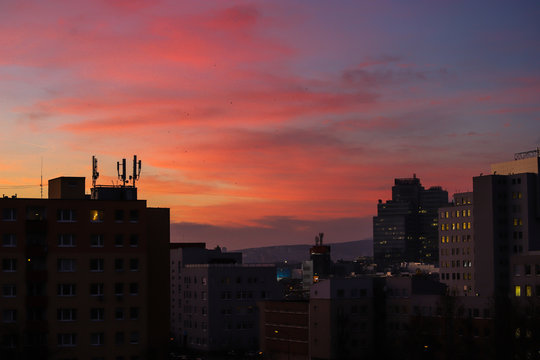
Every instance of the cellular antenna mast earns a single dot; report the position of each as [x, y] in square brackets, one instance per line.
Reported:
[136, 170]
[95, 173]
[41, 181]
[122, 175]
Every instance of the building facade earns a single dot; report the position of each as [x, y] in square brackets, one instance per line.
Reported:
[406, 227]
[214, 296]
[76, 276]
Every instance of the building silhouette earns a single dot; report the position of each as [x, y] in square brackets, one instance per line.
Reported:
[83, 277]
[406, 227]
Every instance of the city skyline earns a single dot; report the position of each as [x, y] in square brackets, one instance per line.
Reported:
[267, 122]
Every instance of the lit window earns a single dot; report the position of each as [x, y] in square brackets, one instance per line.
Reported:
[528, 290]
[517, 290]
[96, 215]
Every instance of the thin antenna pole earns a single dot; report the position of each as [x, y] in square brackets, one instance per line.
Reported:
[41, 182]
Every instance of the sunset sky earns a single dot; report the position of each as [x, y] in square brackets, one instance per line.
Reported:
[265, 122]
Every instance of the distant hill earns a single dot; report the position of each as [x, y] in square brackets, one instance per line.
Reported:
[298, 253]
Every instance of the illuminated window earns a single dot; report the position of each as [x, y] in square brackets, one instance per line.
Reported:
[458, 226]
[517, 290]
[528, 290]
[453, 226]
[457, 213]
[469, 225]
[446, 214]
[96, 215]
[519, 195]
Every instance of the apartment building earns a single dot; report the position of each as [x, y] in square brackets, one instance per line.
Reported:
[84, 277]
[214, 298]
[456, 246]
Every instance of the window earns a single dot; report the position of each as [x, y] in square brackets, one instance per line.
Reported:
[66, 290]
[96, 289]
[134, 337]
[66, 314]
[528, 290]
[96, 240]
[134, 289]
[119, 215]
[133, 264]
[97, 314]
[119, 289]
[66, 265]
[517, 290]
[9, 265]
[97, 339]
[9, 316]
[9, 290]
[134, 216]
[119, 338]
[97, 265]
[119, 264]
[9, 214]
[66, 215]
[133, 313]
[97, 215]
[119, 240]
[69, 339]
[119, 313]
[66, 240]
[36, 213]
[9, 240]
[134, 240]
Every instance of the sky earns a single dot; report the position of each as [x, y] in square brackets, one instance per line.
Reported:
[266, 122]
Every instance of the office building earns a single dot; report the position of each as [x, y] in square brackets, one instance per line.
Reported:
[406, 227]
[84, 277]
[456, 245]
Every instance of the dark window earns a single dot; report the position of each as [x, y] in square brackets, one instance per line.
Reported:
[134, 264]
[134, 215]
[119, 215]
[119, 264]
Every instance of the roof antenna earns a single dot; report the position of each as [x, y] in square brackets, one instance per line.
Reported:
[95, 173]
[41, 182]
